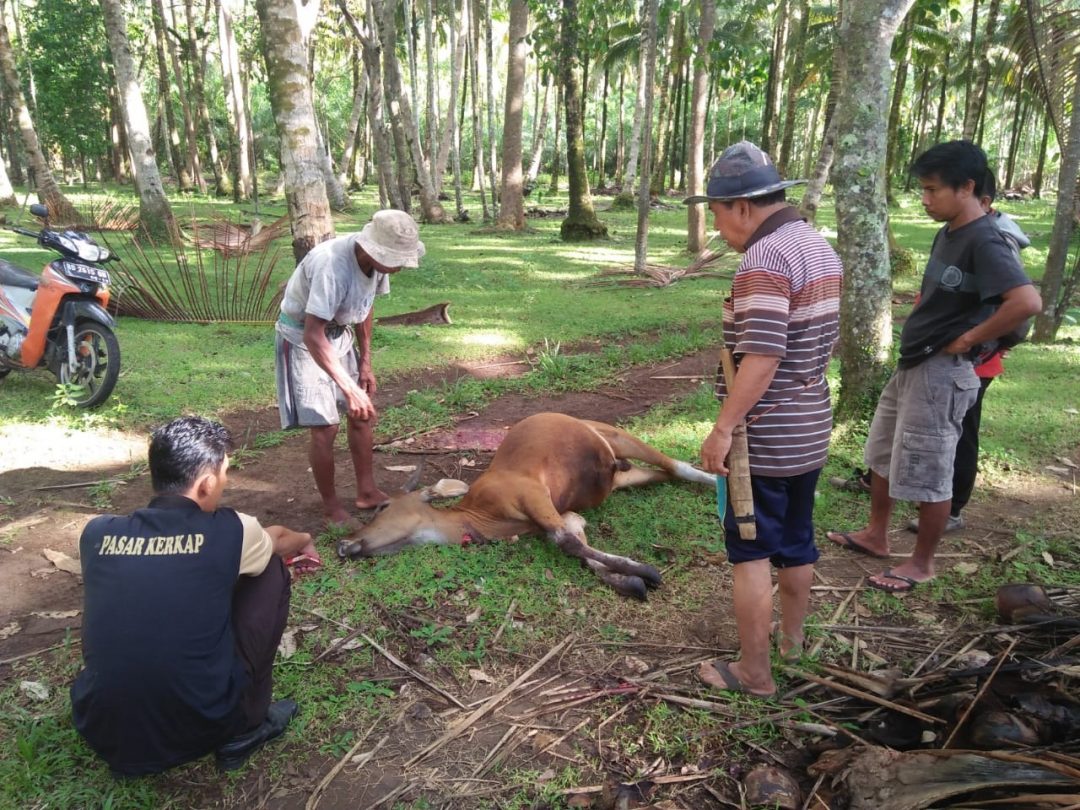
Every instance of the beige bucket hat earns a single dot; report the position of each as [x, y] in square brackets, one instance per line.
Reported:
[392, 238]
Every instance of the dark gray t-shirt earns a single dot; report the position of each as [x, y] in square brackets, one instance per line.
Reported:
[968, 270]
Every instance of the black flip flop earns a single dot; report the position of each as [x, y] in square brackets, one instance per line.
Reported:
[851, 544]
[908, 585]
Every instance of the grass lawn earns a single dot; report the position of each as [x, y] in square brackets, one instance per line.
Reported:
[508, 294]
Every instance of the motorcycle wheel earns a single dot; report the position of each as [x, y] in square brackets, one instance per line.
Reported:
[97, 358]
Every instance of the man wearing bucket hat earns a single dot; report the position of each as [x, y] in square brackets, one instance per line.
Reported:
[320, 372]
[781, 323]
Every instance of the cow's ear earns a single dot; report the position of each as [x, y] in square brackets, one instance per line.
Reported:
[444, 488]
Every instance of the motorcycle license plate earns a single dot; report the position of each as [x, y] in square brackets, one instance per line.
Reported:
[85, 272]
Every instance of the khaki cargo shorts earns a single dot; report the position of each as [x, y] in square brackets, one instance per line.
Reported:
[918, 421]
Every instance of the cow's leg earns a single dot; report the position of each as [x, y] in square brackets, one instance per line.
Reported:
[570, 537]
[627, 446]
[567, 530]
[627, 586]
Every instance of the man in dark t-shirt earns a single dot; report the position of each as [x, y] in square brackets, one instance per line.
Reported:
[974, 291]
[185, 603]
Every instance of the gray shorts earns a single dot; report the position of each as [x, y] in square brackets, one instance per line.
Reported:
[918, 420]
[307, 396]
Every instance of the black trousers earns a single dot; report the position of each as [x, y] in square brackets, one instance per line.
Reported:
[966, 462]
[260, 610]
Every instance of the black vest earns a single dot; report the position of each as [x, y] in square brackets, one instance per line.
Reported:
[162, 681]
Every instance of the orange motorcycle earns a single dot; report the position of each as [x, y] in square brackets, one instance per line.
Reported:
[58, 320]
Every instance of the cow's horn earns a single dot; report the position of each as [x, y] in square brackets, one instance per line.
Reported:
[414, 479]
[445, 488]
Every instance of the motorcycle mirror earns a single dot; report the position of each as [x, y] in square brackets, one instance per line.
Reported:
[39, 210]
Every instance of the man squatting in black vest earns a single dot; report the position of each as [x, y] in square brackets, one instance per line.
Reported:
[185, 603]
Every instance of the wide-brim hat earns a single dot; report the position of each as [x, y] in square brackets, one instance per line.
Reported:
[392, 238]
[742, 172]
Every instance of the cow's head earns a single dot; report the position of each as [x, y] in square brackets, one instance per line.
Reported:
[405, 520]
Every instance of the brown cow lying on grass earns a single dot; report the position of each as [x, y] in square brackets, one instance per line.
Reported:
[548, 466]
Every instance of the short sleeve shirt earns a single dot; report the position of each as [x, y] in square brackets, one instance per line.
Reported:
[785, 303]
[329, 284]
[969, 269]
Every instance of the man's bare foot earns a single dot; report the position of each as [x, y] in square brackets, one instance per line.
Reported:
[861, 542]
[901, 578]
[726, 676]
[371, 498]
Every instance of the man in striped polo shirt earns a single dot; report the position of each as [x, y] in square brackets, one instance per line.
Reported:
[781, 322]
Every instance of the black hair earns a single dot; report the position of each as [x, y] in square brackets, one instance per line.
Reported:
[989, 188]
[185, 448]
[763, 201]
[954, 162]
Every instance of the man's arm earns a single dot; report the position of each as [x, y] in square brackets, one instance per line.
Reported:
[363, 342]
[287, 542]
[756, 373]
[1018, 304]
[322, 351]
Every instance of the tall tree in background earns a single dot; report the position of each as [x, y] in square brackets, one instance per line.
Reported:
[697, 215]
[402, 117]
[864, 41]
[48, 191]
[286, 55]
[235, 110]
[511, 214]
[649, 14]
[977, 90]
[581, 223]
[1058, 287]
[155, 213]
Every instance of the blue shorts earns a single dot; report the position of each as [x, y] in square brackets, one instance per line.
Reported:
[784, 512]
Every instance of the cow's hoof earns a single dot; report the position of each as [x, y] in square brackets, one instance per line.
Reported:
[651, 576]
[349, 549]
[634, 587]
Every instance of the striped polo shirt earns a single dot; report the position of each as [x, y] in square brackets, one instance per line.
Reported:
[785, 302]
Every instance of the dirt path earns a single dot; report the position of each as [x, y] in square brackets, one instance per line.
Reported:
[530, 729]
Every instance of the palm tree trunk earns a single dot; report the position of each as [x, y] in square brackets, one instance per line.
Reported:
[601, 161]
[795, 72]
[581, 223]
[969, 67]
[432, 112]
[492, 144]
[60, 208]
[1054, 280]
[285, 52]
[554, 188]
[644, 199]
[897, 102]
[775, 81]
[198, 64]
[541, 132]
[182, 169]
[644, 94]
[1019, 111]
[191, 140]
[866, 34]
[222, 184]
[620, 139]
[1040, 166]
[236, 113]
[917, 134]
[941, 99]
[155, 213]
[451, 131]
[359, 86]
[430, 207]
[977, 93]
[697, 214]
[511, 214]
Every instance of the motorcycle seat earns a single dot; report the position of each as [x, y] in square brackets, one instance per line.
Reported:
[14, 276]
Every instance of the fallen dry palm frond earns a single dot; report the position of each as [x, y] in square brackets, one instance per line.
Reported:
[233, 238]
[660, 275]
[195, 285]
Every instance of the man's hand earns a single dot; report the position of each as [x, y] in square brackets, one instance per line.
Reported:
[288, 542]
[358, 403]
[961, 345]
[367, 379]
[714, 451]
